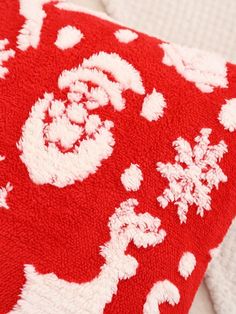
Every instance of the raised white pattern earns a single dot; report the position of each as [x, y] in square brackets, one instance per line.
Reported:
[4, 190]
[5, 55]
[187, 264]
[227, 115]
[125, 35]
[192, 182]
[205, 69]
[3, 195]
[153, 106]
[49, 294]
[68, 37]
[34, 14]
[29, 34]
[61, 141]
[161, 292]
[132, 177]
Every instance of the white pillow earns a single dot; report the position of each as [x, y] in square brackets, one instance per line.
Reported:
[204, 24]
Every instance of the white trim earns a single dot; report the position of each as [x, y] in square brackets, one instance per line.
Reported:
[153, 106]
[50, 294]
[227, 115]
[44, 159]
[161, 292]
[68, 37]
[187, 264]
[132, 177]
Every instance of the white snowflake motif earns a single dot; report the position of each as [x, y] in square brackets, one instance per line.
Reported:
[192, 182]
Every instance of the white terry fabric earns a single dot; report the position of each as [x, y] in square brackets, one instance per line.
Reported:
[221, 274]
[205, 24]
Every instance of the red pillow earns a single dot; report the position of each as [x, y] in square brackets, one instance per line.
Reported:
[118, 171]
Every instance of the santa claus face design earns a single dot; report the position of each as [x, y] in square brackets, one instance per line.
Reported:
[61, 141]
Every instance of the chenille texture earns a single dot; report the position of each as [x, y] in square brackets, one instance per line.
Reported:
[117, 157]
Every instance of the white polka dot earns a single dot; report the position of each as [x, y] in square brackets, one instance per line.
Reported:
[131, 178]
[68, 37]
[227, 116]
[153, 106]
[125, 35]
[187, 264]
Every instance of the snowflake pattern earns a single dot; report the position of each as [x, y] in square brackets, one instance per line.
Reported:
[192, 182]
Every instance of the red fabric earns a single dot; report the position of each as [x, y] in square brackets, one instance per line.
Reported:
[60, 230]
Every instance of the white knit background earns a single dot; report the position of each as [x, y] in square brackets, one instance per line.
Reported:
[205, 24]
[221, 275]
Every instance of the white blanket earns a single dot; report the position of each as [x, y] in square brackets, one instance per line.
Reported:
[221, 274]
